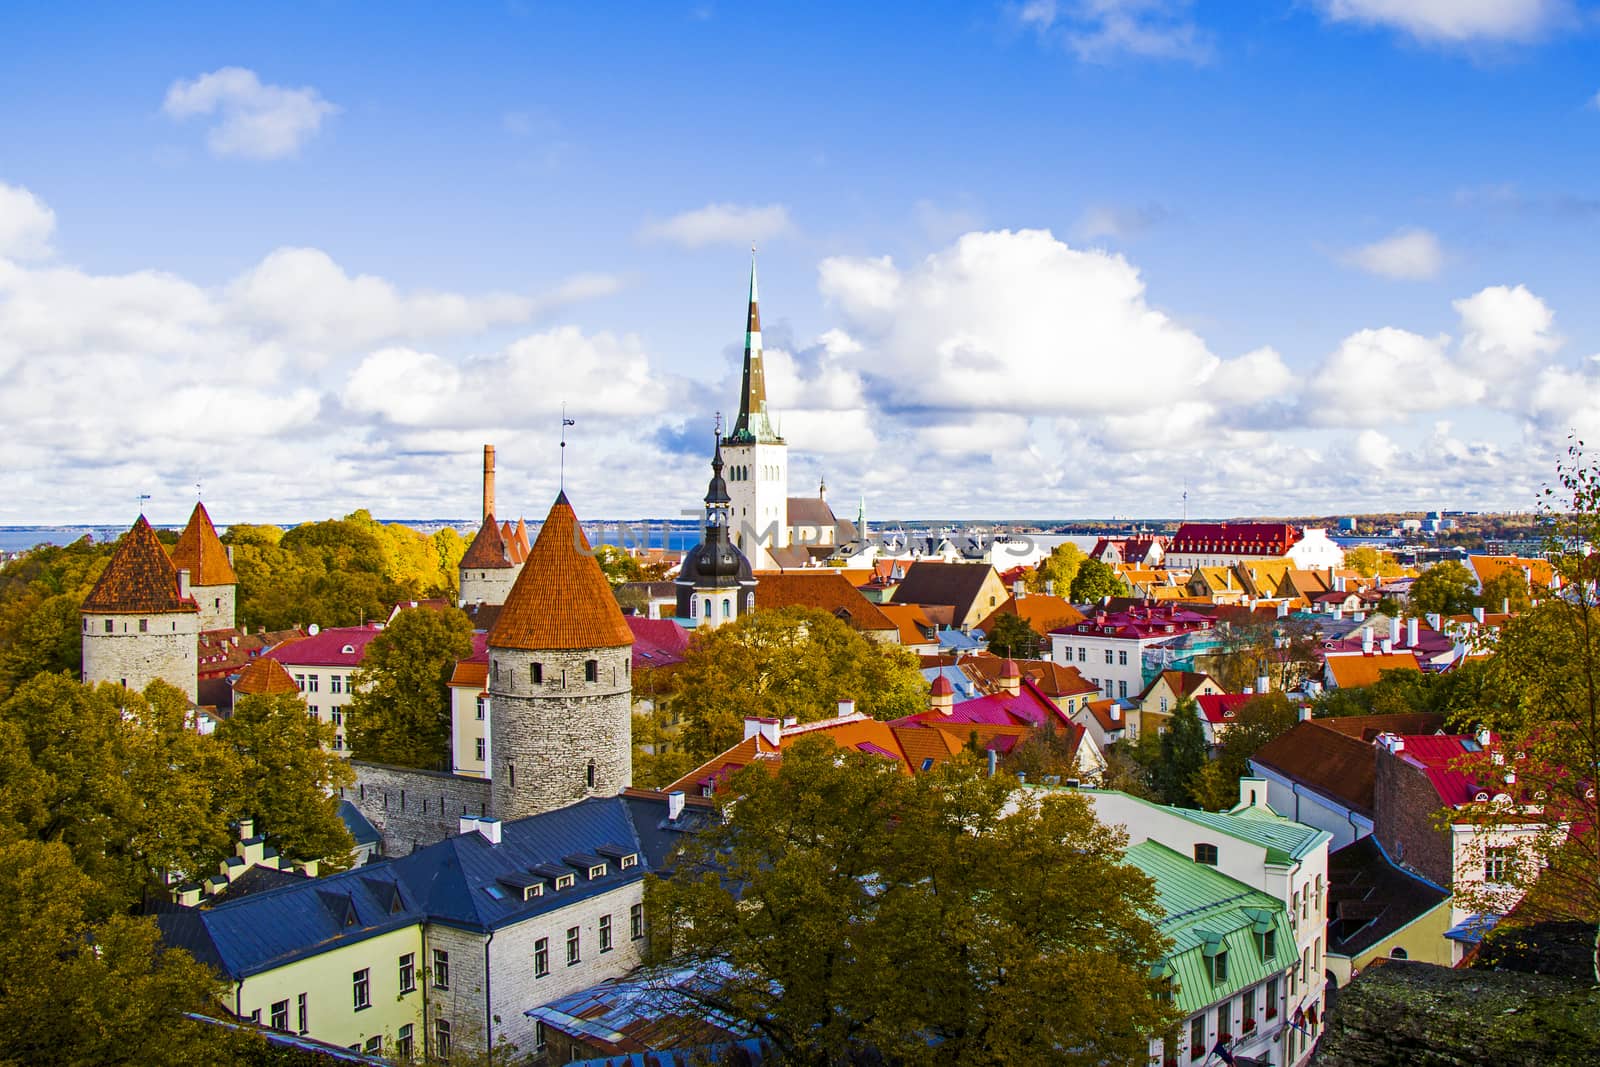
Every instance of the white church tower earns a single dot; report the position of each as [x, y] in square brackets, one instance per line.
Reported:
[757, 458]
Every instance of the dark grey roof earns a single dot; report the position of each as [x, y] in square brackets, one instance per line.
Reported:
[1370, 898]
[956, 585]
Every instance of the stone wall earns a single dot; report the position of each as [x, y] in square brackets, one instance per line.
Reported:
[411, 807]
[1404, 802]
[544, 735]
[487, 586]
[216, 605]
[167, 648]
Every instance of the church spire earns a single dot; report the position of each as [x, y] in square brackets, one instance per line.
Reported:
[753, 423]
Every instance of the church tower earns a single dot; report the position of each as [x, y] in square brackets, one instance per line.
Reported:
[757, 458]
[715, 584]
[139, 621]
[560, 679]
[211, 580]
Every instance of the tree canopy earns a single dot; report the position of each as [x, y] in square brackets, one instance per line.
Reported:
[929, 919]
[786, 662]
[1096, 580]
[1369, 562]
[400, 713]
[40, 594]
[1446, 588]
[1012, 636]
[1183, 754]
[1056, 571]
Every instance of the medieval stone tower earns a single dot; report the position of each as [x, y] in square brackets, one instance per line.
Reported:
[211, 580]
[140, 622]
[490, 566]
[560, 685]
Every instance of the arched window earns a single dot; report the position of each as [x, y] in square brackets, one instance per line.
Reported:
[1398, 953]
[709, 616]
[589, 775]
[591, 670]
[727, 608]
[694, 609]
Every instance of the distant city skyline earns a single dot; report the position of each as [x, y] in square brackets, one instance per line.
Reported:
[1041, 258]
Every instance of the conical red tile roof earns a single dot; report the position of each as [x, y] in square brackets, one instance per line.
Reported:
[264, 677]
[199, 551]
[139, 580]
[561, 600]
[488, 550]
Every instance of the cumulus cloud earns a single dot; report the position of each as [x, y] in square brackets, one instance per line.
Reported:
[1099, 31]
[1376, 375]
[1504, 329]
[26, 224]
[253, 120]
[721, 224]
[1409, 255]
[1455, 21]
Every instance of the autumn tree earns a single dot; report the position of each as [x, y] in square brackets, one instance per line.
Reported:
[833, 880]
[618, 565]
[1252, 645]
[1056, 571]
[1446, 588]
[1183, 754]
[1012, 636]
[40, 594]
[287, 775]
[786, 662]
[1095, 581]
[1369, 562]
[1261, 719]
[1507, 591]
[400, 713]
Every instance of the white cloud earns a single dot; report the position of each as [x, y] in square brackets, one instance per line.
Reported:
[1098, 31]
[1375, 449]
[721, 224]
[26, 223]
[1455, 21]
[1378, 375]
[1409, 255]
[253, 120]
[1504, 329]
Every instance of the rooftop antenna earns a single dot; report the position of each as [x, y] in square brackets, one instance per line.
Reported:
[1186, 500]
[142, 498]
[565, 422]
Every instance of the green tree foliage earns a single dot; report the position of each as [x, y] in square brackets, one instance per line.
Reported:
[286, 774]
[1446, 588]
[1047, 750]
[934, 919]
[617, 565]
[1508, 589]
[40, 594]
[1462, 689]
[1057, 570]
[339, 572]
[1255, 722]
[400, 713]
[1012, 636]
[80, 987]
[1183, 753]
[1369, 562]
[1096, 580]
[785, 662]
[1284, 650]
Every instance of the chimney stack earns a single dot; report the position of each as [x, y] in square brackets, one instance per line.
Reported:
[1018, 590]
[488, 480]
[675, 805]
[1411, 631]
[1010, 678]
[183, 581]
[1263, 683]
[847, 708]
[1366, 640]
[1394, 630]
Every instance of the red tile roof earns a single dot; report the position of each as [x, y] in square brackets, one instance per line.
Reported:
[1219, 708]
[139, 579]
[1041, 611]
[1342, 768]
[561, 599]
[1439, 757]
[1239, 538]
[488, 549]
[826, 591]
[199, 551]
[657, 642]
[264, 676]
[337, 646]
[1357, 671]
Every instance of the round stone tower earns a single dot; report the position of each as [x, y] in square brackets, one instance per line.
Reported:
[560, 684]
[140, 622]
[211, 579]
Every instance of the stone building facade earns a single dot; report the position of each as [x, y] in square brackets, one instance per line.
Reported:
[414, 808]
[135, 650]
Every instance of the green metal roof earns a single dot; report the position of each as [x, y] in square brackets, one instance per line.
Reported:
[1284, 839]
[1208, 912]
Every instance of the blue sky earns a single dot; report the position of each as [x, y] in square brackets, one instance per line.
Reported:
[1017, 259]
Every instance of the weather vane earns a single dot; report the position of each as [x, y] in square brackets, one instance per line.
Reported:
[142, 498]
[565, 422]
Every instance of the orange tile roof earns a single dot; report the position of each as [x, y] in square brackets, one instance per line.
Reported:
[909, 619]
[470, 674]
[1357, 670]
[488, 549]
[824, 590]
[139, 580]
[264, 677]
[1042, 611]
[857, 576]
[523, 546]
[1101, 710]
[1184, 684]
[199, 551]
[1052, 679]
[561, 600]
[1488, 568]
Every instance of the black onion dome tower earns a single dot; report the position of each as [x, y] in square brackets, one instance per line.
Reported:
[715, 583]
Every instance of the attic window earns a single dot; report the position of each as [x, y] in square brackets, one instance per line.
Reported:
[597, 871]
[566, 881]
[1219, 967]
[531, 891]
[495, 891]
[1206, 854]
[927, 764]
[630, 860]
[348, 650]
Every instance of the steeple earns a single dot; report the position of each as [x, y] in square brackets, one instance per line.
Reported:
[753, 423]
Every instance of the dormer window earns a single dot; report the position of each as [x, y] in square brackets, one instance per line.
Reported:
[630, 860]
[1219, 967]
[529, 892]
[348, 650]
[597, 871]
[566, 881]
[1267, 942]
[1206, 854]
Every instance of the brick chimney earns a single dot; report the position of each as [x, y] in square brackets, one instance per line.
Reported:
[488, 480]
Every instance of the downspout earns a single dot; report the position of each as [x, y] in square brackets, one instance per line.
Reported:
[488, 1002]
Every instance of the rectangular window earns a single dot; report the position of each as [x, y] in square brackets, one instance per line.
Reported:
[408, 972]
[1197, 1037]
[1224, 1019]
[300, 682]
[255, 1017]
[477, 747]
[108, 626]
[605, 933]
[374, 1044]
[1108, 657]
[536, 673]
[338, 742]
[441, 1038]
[573, 954]
[441, 969]
[335, 683]
[1122, 689]
[1269, 946]
[539, 1039]
[316, 712]
[636, 921]
[404, 1043]
[1122, 657]
[311, 683]
[1247, 1009]
[144, 626]
[1110, 689]
[541, 957]
[1269, 1003]
[1219, 967]
[361, 987]
[1163, 705]
[480, 709]
[302, 1016]
[336, 716]
[1083, 654]
[591, 670]
[1206, 854]
[280, 1015]
[1496, 862]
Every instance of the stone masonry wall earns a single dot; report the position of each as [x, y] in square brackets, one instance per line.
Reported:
[1404, 802]
[168, 649]
[542, 736]
[216, 606]
[462, 1005]
[412, 808]
[487, 586]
